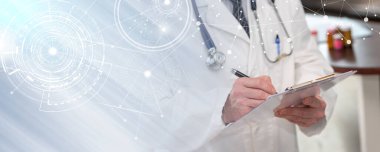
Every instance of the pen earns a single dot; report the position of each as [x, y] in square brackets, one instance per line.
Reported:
[277, 41]
[238, 73]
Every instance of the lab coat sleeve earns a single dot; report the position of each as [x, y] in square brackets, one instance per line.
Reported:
[217, 125]
[310, 63]
[198, 118]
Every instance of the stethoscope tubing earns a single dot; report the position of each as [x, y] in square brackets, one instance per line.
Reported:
[210, 45]
[254, 9]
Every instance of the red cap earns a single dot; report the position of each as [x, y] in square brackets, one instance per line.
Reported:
[314, 32]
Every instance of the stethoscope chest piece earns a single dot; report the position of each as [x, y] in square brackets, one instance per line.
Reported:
[215, 60]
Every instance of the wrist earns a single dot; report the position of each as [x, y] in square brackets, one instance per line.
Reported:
[225, 118]
[224, 115]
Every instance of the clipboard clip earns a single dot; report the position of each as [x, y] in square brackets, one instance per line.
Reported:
[318, 80]
[310, 82]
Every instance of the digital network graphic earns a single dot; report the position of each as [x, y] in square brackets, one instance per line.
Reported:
[364, 10]
[54, 58]
[152, 25]
[55, 52]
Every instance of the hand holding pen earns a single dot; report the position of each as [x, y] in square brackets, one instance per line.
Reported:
[246, 94]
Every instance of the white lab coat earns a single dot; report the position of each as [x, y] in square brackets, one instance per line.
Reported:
[199, 105]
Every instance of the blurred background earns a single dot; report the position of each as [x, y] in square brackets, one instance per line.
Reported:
[350, 8]
[353, 126]
[120, 114]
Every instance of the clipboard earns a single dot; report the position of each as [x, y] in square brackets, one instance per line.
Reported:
[292, 96]
[309, 88]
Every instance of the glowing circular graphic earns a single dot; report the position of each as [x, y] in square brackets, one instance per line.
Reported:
[152, 25]
[58, 59]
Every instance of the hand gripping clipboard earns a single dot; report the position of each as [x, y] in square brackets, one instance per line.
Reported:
[292, 96]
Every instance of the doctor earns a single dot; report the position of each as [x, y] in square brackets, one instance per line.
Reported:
[268, 40]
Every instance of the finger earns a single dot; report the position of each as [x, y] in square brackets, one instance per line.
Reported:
[314, 102]
[249, 102]
[277, 110]
[263, 83]
[304, 122]
[300, 106]
[254, 94]
[302, 112]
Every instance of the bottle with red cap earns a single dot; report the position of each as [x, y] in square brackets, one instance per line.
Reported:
[314, 35]
[338, 42]
[330, 39]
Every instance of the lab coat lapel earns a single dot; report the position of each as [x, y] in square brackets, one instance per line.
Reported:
[218, 16]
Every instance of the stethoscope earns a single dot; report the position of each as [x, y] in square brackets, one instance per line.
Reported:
[216, 59]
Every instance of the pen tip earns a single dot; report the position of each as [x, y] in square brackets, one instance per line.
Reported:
[233, 70]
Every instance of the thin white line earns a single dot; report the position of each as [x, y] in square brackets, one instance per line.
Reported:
[323, 7]
[14, 71]
[155, 96]
[126, 109]
[41, 102]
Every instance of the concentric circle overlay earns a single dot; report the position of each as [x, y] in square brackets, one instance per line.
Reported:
[152, 27]
[59, 59]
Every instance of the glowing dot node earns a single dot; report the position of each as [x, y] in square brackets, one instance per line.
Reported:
[147, 74]
[167, 2]
[366, 19]
[53, 51]
[163, 29]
